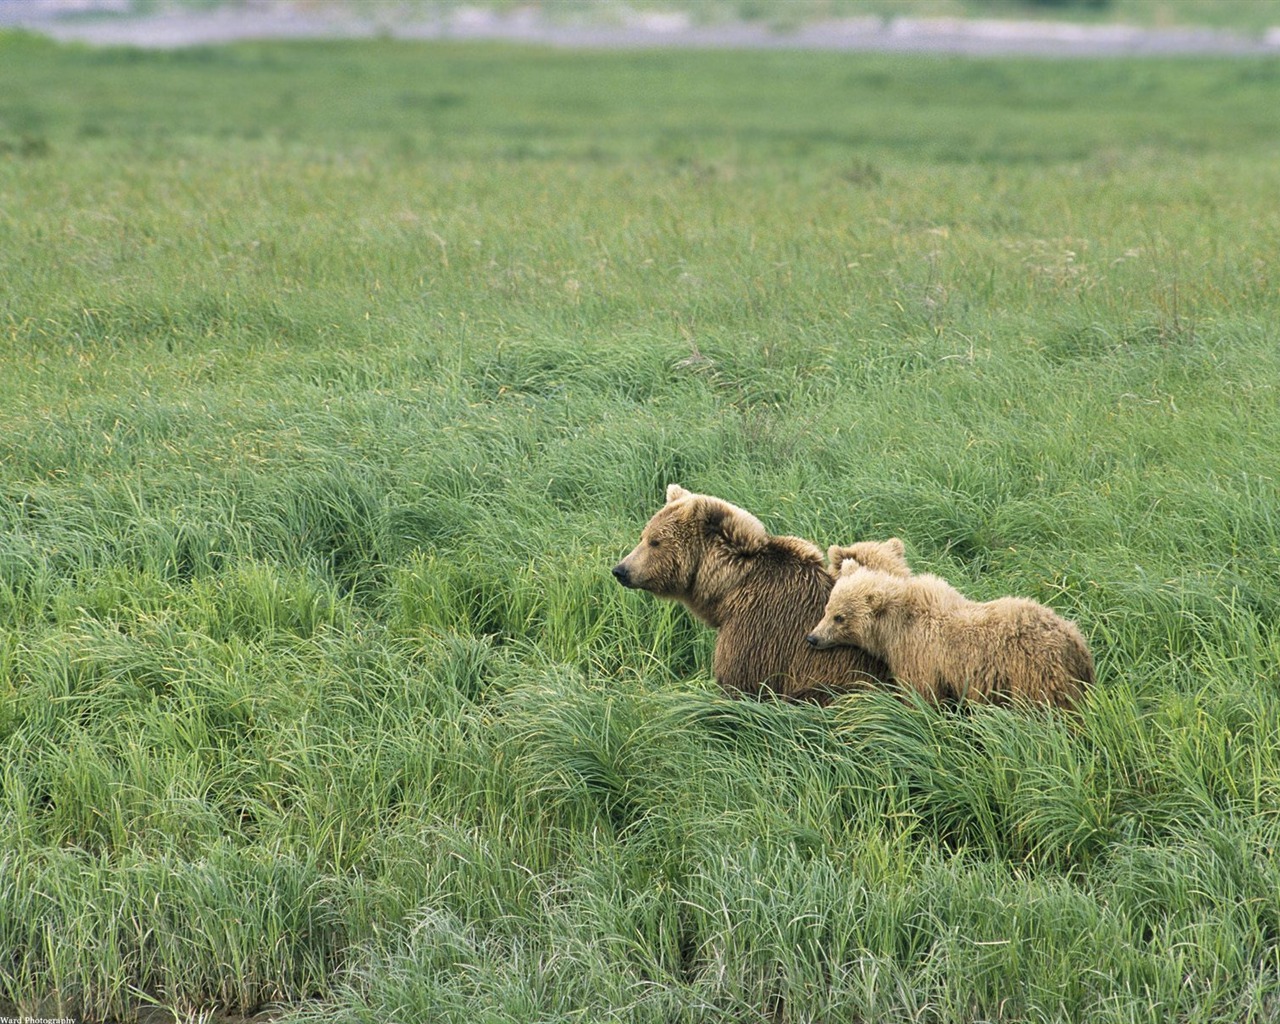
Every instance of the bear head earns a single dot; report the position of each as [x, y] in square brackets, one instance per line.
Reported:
[857, 604]
[693, 550]
[884, 555]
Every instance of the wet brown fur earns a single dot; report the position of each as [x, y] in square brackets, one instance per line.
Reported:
[760, 592]
[946, 647]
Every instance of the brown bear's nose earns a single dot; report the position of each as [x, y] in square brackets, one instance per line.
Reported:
[812, 639]
[622, 574]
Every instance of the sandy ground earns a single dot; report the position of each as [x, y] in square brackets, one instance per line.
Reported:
[107, 22]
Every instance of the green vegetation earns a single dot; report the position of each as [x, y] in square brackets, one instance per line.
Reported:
[336, 377]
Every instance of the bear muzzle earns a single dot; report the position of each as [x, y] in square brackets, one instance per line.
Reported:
[816, 642]
[623, 575]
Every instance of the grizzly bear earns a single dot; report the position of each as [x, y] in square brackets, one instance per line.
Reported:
[759, 592]
[885, 555]
[948, 648]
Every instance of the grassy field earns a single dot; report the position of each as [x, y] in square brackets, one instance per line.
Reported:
[333, 380]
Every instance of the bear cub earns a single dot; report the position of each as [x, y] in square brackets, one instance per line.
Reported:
[885, 555]
[760, 592]
[948, 648]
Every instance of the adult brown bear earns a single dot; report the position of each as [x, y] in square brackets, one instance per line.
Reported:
[760, 592]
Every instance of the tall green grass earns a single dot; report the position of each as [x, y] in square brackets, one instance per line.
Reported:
[337, 376]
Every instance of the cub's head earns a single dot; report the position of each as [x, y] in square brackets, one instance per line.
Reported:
[883, 555]
[857, 604]
[692, 548]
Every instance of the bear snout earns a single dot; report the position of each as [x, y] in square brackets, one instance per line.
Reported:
[622, 574]
[812, 639]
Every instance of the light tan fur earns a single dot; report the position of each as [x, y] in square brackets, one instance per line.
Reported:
[885, 555]
[948, 648]
[760, 592]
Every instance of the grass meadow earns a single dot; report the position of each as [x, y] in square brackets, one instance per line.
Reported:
[334, 378]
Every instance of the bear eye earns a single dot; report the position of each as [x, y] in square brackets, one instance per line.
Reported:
[654, 543]
[839, 618]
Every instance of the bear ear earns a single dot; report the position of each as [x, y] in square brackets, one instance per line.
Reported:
[849, 566]
[675, 492]
[740, 529]
[895, 545]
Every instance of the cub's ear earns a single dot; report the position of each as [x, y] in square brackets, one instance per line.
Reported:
[675, 492]
[835, 557]
[849, 566]
[740, 529]
[895, 545]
